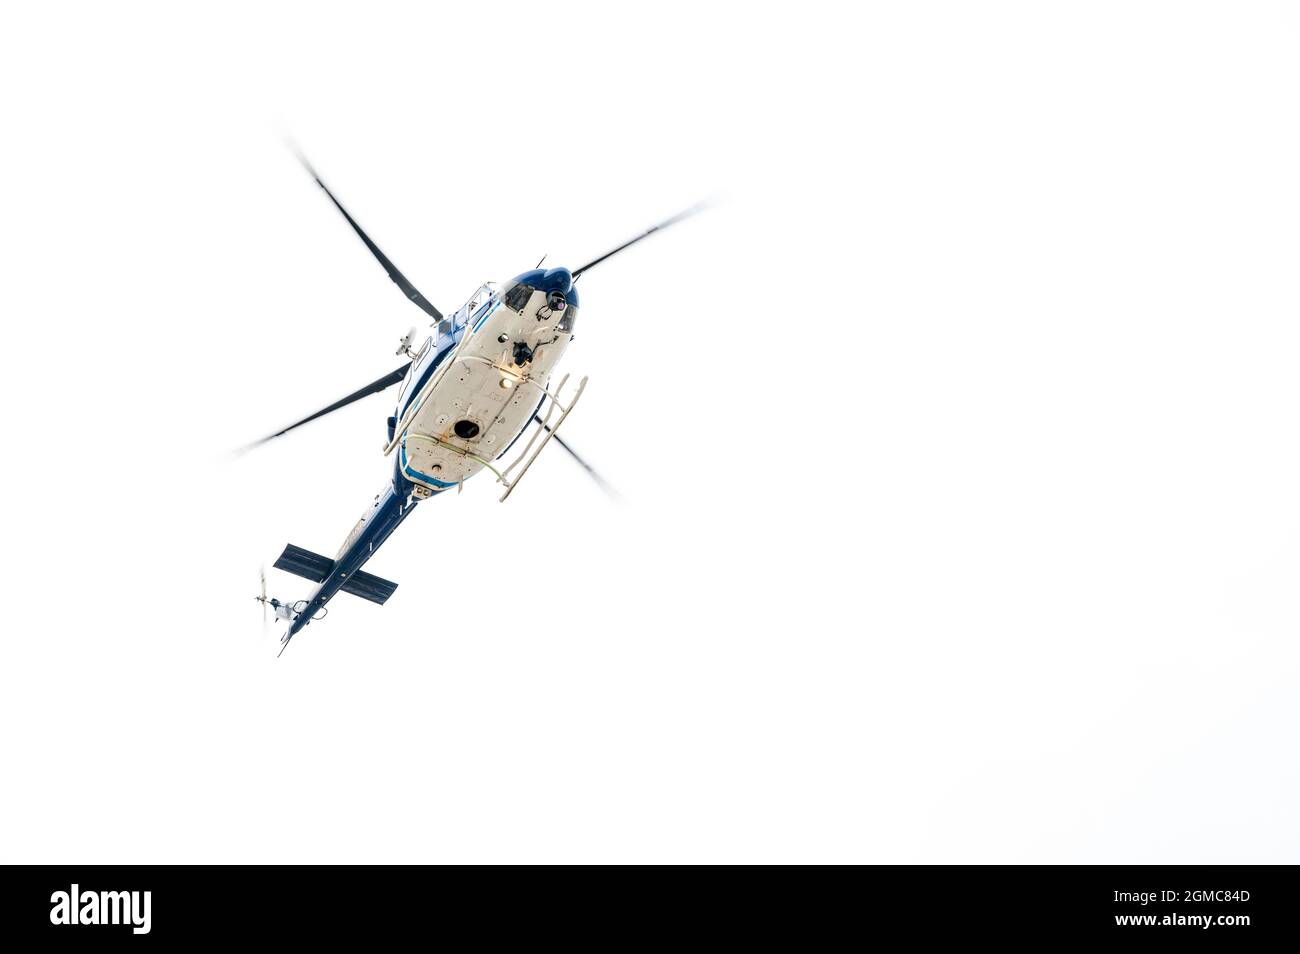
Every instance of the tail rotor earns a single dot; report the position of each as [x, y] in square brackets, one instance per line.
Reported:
[279, 609]
[262, 599]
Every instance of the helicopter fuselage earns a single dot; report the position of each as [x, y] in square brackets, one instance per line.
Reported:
[476, 384]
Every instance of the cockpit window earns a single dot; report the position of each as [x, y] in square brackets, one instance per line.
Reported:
[517, 297]
[567, 319]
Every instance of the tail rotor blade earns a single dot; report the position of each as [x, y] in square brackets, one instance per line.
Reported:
[263, 598]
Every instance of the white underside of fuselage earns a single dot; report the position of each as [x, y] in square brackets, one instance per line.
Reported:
[482, 391]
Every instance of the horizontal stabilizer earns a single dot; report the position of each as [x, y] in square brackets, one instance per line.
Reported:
[369, 587]
[314, 567]
[304, 563]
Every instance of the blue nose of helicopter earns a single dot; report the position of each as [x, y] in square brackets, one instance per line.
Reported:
[557, 279]
[552, 280]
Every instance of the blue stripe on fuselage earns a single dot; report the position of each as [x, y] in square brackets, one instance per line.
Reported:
[420, 376]
[494, 304]
[410, 471]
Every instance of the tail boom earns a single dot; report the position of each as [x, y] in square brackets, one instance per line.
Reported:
[344, 573]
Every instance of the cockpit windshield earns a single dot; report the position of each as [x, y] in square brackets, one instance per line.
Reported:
[568, 318]
[518, 294]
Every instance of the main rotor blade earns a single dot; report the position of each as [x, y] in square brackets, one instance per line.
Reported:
[374, 387]
[684, 214]
[409, 290]
[600, 481]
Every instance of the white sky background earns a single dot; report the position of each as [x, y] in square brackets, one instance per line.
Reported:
[960, 444]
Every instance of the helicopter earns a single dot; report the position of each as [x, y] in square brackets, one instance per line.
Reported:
[481, 380]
